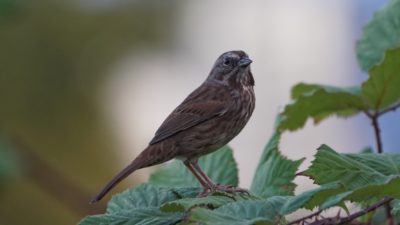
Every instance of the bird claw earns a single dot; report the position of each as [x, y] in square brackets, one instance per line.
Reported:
[204, 193]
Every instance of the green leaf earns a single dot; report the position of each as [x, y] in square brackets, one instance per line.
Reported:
[187, 203]
[319, 102]
[359, 177]
[220, 166]
[387, 164]
[380, 35]
[390, 187]
[275, 173]
[396, 207]
[330, 166]
[242, 213]
[312, 198]
[138, 217]
[212, 201]
[143, 196]
[140, 205]
[381, 90]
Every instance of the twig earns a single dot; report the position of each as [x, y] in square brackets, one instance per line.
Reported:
[305, 218]
[362, 212]
[377, 131]
[337, 220]
[393, 108]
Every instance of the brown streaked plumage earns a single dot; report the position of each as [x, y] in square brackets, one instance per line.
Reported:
[206, 120]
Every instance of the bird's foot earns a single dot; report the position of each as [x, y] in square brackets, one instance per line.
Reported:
[204, 193]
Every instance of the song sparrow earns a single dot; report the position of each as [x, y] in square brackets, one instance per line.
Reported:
[206, 120]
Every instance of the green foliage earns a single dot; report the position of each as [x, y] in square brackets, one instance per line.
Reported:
[170, 197]
[312, 198]
[342, 177]
[320, 102]
[329, 166]
[212, 201]
[396, 207]
[140, 205]
[220, 166]
[380, 35]
[275, 173]
[355, 174]
[243, 213]
[166, 201]
[382, 88]
[387, 164]
[378, 52]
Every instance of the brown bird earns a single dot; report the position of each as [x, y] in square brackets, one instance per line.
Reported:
[206, 120]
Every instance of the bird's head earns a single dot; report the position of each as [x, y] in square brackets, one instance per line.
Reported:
[232, 68]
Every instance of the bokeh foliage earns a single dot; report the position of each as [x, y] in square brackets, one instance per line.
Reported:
[54, 58]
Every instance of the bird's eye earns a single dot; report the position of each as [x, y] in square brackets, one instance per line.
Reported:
[227, 62]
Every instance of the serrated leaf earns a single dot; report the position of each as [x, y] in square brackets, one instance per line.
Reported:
[381, 90]
[145, 216]
[359, 177]
[330, 166]
[380, 35]
[220, 166]
[387, 164]
[143, 196]
[312, 198]
[212, 201]
[319, 102]
[242, 213]
[275, 173]
[140, 205]
[390, 187]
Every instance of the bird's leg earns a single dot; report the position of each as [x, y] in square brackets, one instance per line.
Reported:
[202, 174]
[214, 186]
[204, 184]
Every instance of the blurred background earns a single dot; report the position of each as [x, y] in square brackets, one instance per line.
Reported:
[84, 84]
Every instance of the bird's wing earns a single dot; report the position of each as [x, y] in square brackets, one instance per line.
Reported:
[188, 115]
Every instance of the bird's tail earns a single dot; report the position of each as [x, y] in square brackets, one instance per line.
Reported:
[152, 155]
[118, 178]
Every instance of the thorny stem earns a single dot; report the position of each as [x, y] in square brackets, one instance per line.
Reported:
[362, 212]
[305, 218]
[393, 108]
[343, 220]
[377, 130]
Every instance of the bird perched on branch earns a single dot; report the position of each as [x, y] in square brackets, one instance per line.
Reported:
[206, 120]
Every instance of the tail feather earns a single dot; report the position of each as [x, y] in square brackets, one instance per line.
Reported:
[118, 178]
[152, 155]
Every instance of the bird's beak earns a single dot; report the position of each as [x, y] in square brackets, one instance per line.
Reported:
[244, 62]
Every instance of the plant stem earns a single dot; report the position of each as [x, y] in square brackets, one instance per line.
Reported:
[377, 131]
[344, 220]
[305, 218]
[393, 108]
[384, 201]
